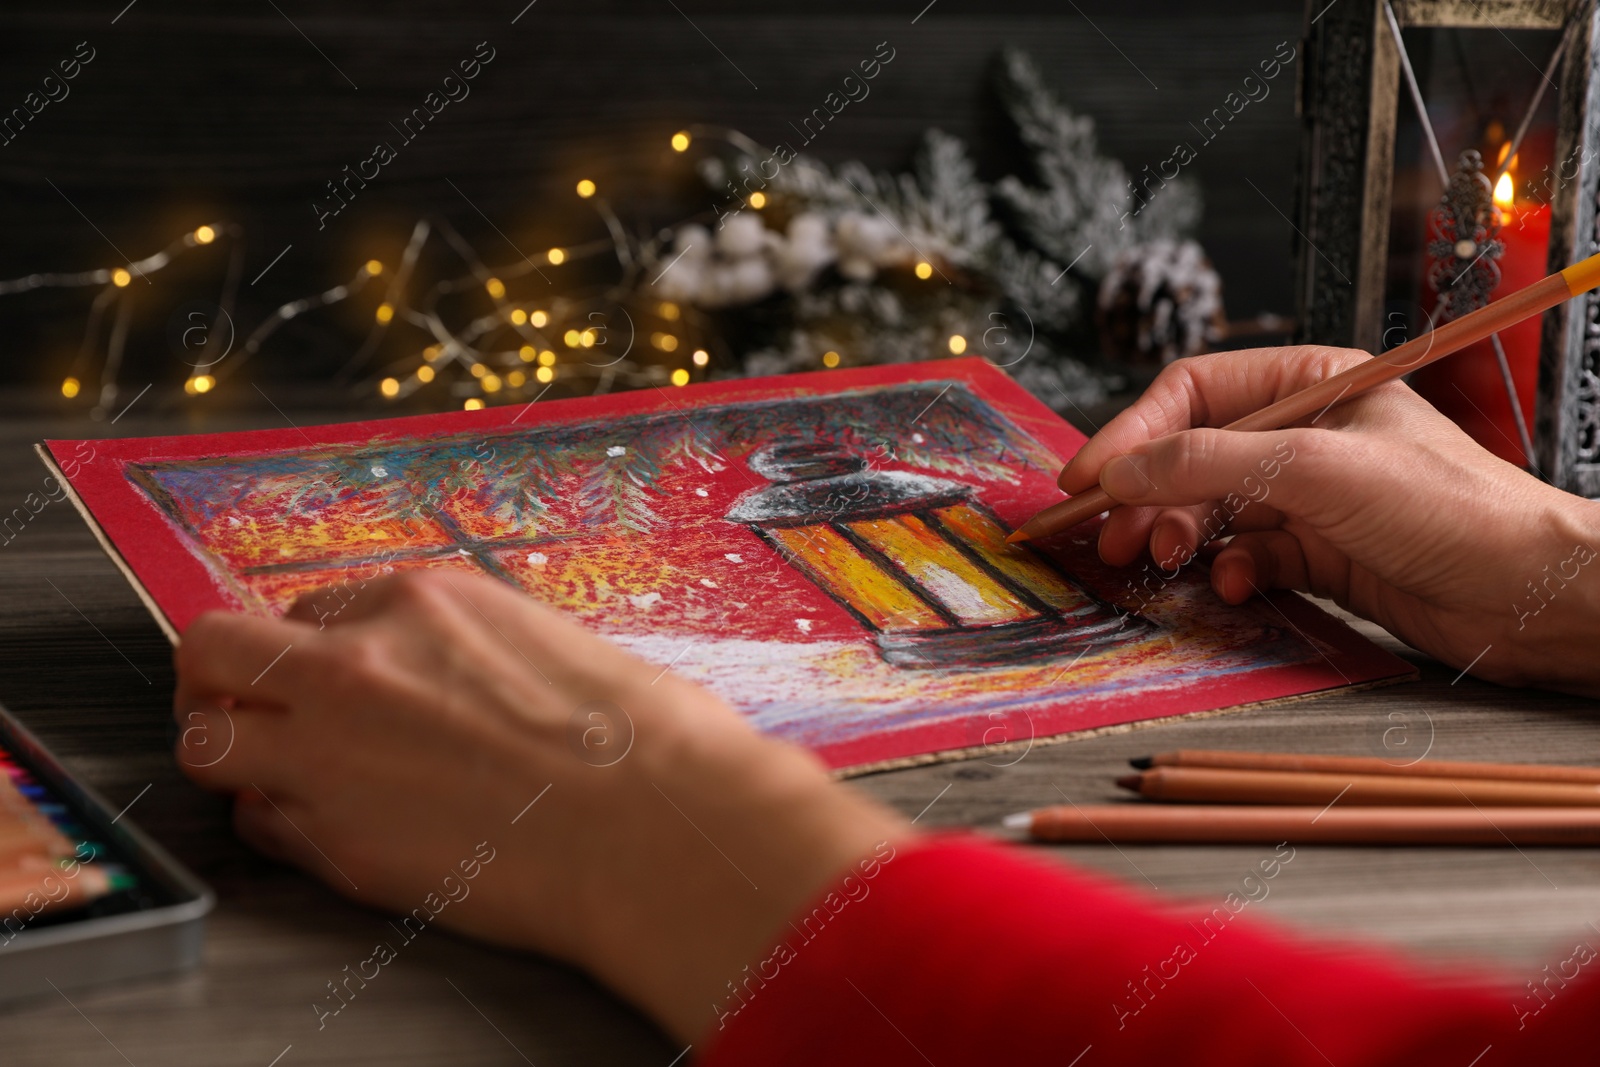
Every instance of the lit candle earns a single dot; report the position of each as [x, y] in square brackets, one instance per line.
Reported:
[1468, 387]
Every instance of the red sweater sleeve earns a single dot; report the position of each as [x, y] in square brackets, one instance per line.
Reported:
[952, 951]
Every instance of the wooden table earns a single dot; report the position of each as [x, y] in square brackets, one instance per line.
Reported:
[82, 664]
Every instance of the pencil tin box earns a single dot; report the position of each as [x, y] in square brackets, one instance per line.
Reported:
[118, 907]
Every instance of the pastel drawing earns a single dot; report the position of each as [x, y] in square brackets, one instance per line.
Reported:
[827, 553]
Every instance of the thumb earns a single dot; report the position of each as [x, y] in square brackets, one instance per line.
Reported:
[1200, 465]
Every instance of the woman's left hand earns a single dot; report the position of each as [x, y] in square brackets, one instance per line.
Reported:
[611, 813]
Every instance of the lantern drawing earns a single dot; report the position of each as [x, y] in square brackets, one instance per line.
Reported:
[922, 564]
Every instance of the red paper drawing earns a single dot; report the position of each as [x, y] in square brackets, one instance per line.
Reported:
[826, 551]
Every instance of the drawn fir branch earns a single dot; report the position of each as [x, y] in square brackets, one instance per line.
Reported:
[690, 446]
[617, 488]
[356, 481]
[522, 491]
[527, 483]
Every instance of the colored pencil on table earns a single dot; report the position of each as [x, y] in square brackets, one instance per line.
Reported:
[1442, 341]
[1294, 761]
[1220, 824]
[1213, 785]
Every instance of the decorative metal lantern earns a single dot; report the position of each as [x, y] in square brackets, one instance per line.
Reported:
[1451, 154]
[922, 564]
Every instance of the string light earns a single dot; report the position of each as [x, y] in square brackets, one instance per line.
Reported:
[472, 404]
[958, 344]
[680, 377]
[924, 269]
[830, 359]
[456, 348]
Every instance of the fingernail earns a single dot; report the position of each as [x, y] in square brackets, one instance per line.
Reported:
[1126, 477]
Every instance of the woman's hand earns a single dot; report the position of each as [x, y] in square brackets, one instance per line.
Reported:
[1379, 503]
[636, 827]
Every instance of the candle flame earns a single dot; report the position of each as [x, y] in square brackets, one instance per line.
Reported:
[1503, 196]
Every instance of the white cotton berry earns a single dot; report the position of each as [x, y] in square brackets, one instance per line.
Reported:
[868, 241]
[741, 235]
[680, 284]
[806, 253]
[749, 280]
[692, 242]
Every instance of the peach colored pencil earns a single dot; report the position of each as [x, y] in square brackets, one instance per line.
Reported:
[1320, 764]
[1439, 342]
[1224, 824]
[1214, 785]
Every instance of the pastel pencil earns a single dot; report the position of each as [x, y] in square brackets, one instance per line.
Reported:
[1226, 824]
[31, 889]
[24, 853]
[1290, 761]
[1437, 343]
[1221, 786]
[38, 830]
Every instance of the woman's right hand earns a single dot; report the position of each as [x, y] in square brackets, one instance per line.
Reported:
[1379, 503]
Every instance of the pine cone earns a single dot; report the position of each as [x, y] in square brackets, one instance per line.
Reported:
[1159, 301]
